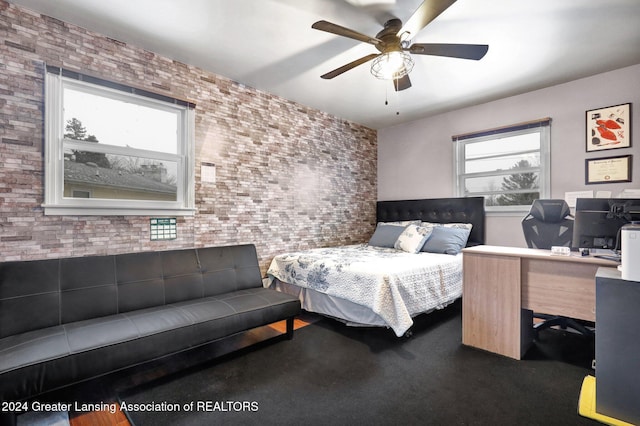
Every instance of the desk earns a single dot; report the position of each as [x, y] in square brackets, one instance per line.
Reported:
[502, 286]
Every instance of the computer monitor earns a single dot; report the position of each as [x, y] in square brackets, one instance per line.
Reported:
[598, 221]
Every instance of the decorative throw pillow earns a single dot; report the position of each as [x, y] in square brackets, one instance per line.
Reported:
[447, 240]
[386, 235]
[412, 238]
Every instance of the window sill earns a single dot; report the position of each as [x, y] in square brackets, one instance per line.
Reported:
[58, 210]
[510, 213]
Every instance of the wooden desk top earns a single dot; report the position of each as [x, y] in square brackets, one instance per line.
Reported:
[537, 254]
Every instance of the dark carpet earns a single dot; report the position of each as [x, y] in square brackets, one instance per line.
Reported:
[330, 373]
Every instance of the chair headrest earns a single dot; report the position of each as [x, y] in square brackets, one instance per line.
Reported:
[550, 211]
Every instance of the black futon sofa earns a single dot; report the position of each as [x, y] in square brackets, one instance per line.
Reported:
[63, 321]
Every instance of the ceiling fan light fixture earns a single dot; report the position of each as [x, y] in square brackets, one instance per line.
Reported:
[392, 65]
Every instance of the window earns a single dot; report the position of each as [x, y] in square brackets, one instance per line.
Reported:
[509, 166]
[114, 150]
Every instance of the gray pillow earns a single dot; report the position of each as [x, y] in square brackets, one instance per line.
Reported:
[386, 235]
[446, 240]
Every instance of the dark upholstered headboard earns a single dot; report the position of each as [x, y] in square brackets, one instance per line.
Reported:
[442, 210]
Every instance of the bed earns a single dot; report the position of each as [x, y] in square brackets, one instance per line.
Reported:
[374, 284]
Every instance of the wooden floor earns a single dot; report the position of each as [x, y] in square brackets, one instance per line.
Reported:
[105, 418]
[99, 418]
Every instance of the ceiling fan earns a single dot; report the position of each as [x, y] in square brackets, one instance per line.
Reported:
[393, 63]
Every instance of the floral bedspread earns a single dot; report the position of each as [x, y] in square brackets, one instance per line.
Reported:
[394, 284]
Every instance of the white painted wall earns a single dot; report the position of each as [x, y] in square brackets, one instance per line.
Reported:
[415, 160]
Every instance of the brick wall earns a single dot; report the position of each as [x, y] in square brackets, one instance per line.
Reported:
[288, 176]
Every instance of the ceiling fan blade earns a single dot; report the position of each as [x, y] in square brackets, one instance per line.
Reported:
[463, 51]
[345, 32]
[426, 12]
[402, 83]
[349, 66]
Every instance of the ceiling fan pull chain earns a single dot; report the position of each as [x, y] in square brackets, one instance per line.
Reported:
[396, 83]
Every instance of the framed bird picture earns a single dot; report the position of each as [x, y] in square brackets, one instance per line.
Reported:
[609, 128]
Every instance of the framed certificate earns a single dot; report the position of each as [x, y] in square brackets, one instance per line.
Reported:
[608, 128]
[608, 169]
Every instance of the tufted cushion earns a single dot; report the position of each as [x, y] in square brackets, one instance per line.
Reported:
[52, 357]
[442, 210]
[67, 320]
[45, 293]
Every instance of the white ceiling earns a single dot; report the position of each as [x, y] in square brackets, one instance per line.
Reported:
[270, 45]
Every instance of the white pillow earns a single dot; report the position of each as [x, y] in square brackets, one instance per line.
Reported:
[431, 225]
[412, 238]
[403, 222]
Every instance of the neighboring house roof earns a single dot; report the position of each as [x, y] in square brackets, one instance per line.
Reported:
[91, 174]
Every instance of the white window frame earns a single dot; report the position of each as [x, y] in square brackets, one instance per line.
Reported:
[54, 201]
[542, 127]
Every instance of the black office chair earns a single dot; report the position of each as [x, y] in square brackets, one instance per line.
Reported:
[550, 223]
